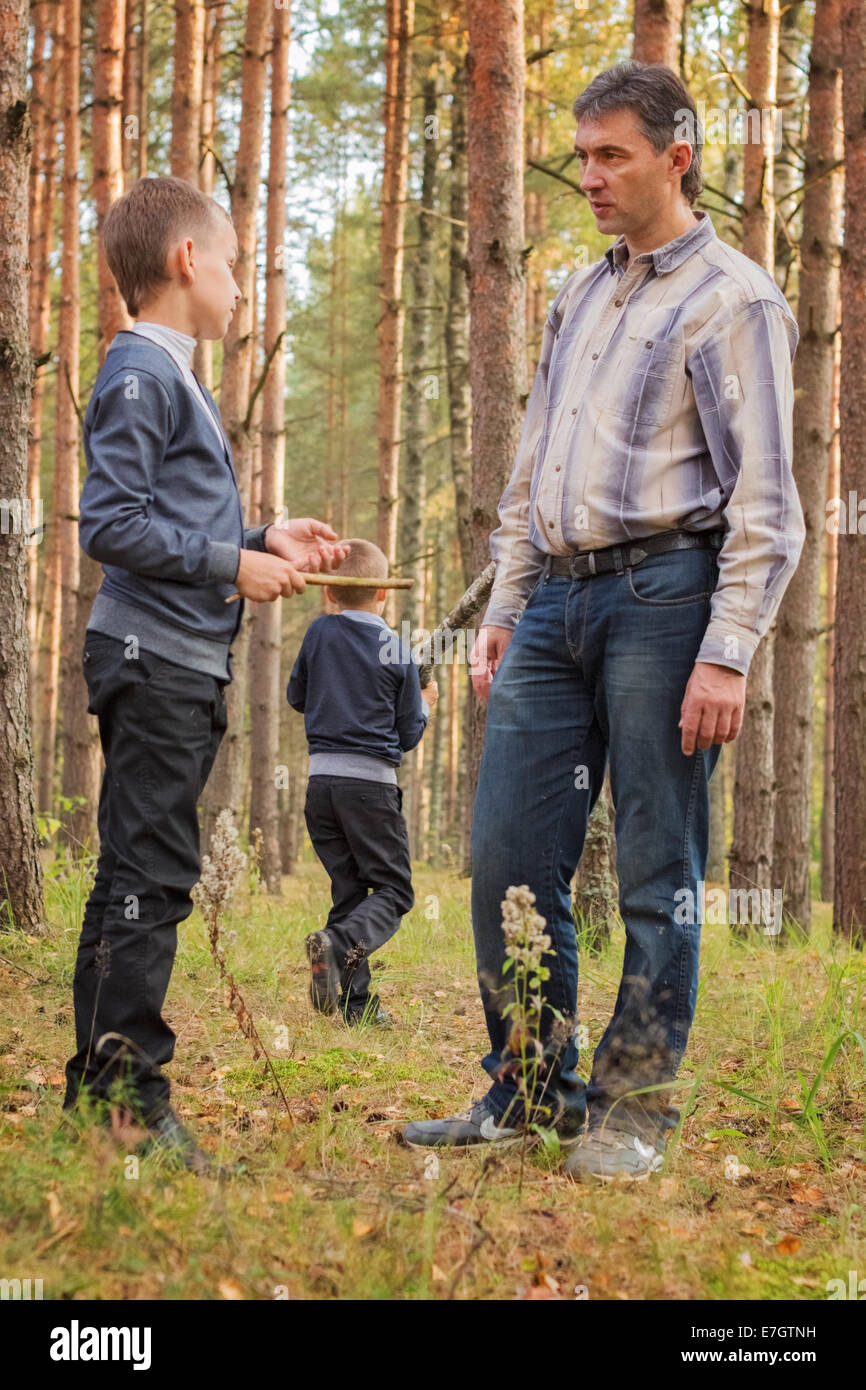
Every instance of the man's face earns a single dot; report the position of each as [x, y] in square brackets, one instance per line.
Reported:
[215, 294]
[628, 186]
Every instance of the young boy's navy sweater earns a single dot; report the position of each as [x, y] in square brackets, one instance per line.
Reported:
[160, 510]
[354, 696]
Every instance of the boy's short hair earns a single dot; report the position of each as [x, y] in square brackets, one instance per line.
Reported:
[140, 227]
[365, 559]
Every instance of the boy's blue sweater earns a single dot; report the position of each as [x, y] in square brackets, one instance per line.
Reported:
[160, 510]
[358, 689]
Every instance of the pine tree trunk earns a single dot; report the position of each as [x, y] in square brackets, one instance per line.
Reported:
[186, 88]
[225, 785]
[657, 25]
[594, 889]
[20, 873]
[797, 623]
[107, 157]
[80, 778]
[497, 283]
[457, 325]
[849, 902]
[828, 783]
[751, 858]
[43, 188]
[265, 667]
[400, 15]
[718, 826]
[413, 492]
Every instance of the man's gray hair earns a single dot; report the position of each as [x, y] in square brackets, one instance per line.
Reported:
[662, 104]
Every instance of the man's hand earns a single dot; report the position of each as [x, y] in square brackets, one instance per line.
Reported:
[430, 693]
[307, 544]
[712, 708]
[488, 649]
[263, 578]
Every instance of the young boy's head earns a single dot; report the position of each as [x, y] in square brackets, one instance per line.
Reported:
[171, 249]
[364, 559]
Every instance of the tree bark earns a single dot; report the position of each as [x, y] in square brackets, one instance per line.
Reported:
[657, 26]
[497, 281]
[225, 785]
[20, 873]
[751, 858]
[266, 684]
[849, 904]
[186, 88]
[457, 324]
[797, 623]
[400, 15]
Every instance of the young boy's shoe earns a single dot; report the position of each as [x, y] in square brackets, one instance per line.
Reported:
[605, 1154]
[369, 1012]
[324, 974]
[169, 1137]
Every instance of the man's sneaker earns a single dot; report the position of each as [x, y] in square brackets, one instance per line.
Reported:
[371, 1012]
[477, 1125]
[169, 1137]
[605, 1154]
[324, 975]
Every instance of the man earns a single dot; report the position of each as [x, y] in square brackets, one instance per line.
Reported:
[648, 532]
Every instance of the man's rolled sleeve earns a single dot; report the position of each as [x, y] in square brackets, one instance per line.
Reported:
[744, 393]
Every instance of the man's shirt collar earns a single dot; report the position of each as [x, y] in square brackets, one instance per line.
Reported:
[667, 257]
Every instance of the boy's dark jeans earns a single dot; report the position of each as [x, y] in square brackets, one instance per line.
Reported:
[160, 726]
[359, 833]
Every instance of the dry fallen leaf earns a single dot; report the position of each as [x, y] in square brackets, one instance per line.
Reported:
[230, 1289]
[285, 1196]
[788, 1245]
[791, 1104]
[361, 1228]
[437, 1275]
[55, 1210]
[811, 1195]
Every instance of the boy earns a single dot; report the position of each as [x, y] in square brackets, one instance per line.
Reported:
[160, 510]
[362, 711]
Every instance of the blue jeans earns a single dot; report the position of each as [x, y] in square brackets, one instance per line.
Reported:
[596, 670]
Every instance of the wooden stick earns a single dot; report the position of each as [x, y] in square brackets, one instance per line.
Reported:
[442, 637]
[347, 581]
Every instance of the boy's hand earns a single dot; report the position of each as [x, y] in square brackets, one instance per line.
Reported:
[307, 544]
[430, 693]
[263, 578]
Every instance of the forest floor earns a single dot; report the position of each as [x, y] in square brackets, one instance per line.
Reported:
[763, 1192]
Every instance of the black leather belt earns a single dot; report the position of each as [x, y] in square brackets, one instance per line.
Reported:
[581, 564]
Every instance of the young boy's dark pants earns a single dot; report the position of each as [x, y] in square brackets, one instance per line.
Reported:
[160, 726]
[359, 833]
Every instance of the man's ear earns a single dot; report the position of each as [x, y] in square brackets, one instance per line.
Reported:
[330, 595]
[381, 595]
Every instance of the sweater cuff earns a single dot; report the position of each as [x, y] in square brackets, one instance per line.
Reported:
[254, 539]
[223, 562]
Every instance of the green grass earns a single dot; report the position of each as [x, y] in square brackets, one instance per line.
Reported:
[762, 1195]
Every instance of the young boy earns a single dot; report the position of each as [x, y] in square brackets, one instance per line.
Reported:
[362, 711]
[160, 510]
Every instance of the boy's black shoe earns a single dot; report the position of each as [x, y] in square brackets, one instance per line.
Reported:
[324, 975]
[370, 1012]
[166, 1135]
